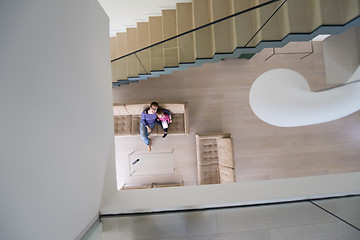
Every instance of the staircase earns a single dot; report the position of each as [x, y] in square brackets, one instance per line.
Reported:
[273, 24]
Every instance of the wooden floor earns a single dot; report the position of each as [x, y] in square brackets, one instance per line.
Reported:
[218, 97]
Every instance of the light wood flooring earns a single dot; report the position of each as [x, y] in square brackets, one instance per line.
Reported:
[218, 97]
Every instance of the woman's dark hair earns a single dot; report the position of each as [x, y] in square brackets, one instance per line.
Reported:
[155, 104]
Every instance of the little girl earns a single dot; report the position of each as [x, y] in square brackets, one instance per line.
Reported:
[164, 119]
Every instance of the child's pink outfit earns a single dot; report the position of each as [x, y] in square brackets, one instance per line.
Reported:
[165, 118]
[164, 123]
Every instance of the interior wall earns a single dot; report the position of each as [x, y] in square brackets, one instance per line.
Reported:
[56, 127]
[232, 194]
[339, 58]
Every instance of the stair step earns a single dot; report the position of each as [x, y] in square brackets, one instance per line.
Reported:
[156, 52]
[121, 42]
[113, 48]
[278, 26]
[113, 55]
[224, 32]
[143, 41]
[184, 23]
[304, 16]
[330, 14]
[171, 56]
[133, 62]
[246, 24]
[351, 9]
[204, 41]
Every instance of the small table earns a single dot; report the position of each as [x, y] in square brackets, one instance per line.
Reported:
[148, 164]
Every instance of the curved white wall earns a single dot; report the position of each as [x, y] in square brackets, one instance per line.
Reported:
[56, 127]
[282, 97]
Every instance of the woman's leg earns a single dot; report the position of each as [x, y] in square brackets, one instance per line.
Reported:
[144, 134]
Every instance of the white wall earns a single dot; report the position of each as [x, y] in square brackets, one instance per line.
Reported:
[56, 127]
[341, 56]
[126, 13]
[232, 194]
[282, 97]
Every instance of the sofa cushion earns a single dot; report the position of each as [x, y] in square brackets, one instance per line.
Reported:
[208, 153]
[177, 125]
[120, 110]
[135, 124]
[122, 125]
[227, 175]
[175, 108]
[225, 152]
[209, 174]
[136, 109]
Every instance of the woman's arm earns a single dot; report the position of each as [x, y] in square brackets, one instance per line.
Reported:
[143, 119]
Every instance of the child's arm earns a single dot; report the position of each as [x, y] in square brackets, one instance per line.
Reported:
[168, 118]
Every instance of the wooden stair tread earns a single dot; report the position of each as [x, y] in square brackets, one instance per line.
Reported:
[301, 20]
[204, 41]
[278, 26]
[224, 32]
[133, 62]
[113, 55]
[143, 41]
[171, 56]
[351, 10]
[184, 23]
[303, 16]
[121, 42]
[330, 14]
[246, 24]
[156, 52]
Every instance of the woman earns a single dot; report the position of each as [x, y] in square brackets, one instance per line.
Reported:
[148, 120]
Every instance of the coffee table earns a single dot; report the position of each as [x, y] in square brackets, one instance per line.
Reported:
[149, 164]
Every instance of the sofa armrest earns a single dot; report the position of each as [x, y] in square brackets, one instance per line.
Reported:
[225, 152]
[186, 118]
[227, 175]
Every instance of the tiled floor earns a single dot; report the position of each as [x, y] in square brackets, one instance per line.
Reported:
[346, 208]
[291, 221]
[218, 100]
